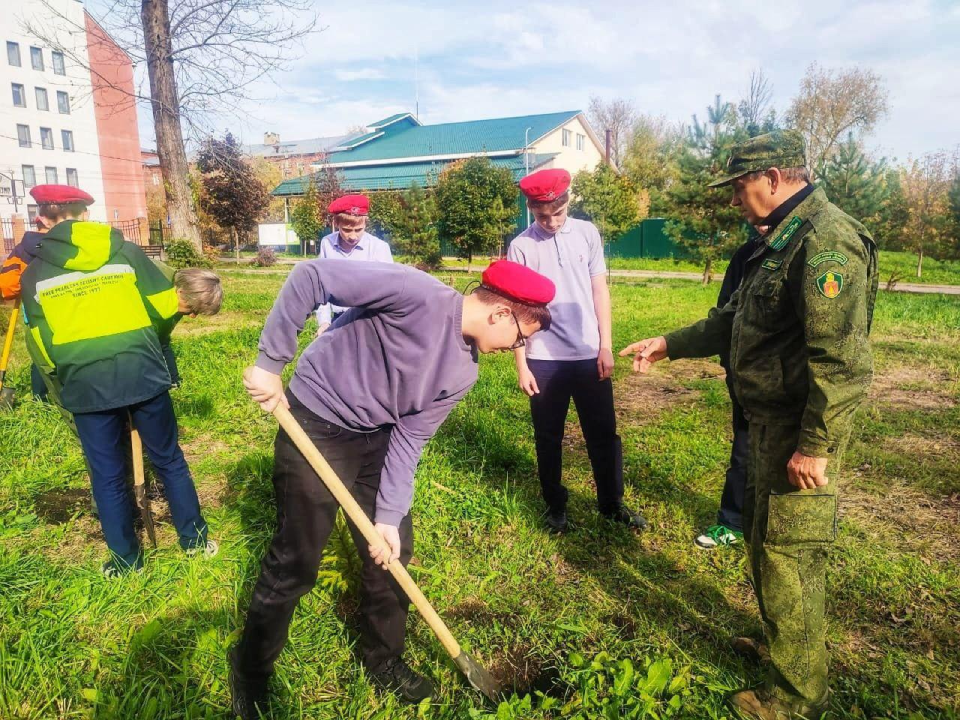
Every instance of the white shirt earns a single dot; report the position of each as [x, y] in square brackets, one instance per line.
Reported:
[369, 248]
[571, 258]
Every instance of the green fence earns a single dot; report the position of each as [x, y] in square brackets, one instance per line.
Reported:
[646, 240]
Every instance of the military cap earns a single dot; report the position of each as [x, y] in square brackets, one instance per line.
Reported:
[358, 205]
[60, 195]
[545, 185]
[518, 282]
[779, 149]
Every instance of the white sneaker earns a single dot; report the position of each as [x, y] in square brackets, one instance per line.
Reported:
[209, 550]
[717, 536]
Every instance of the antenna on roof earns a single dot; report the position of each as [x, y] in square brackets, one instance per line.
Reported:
[416, 81]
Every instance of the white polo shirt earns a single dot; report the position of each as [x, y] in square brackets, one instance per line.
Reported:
[571, 258]
[369, 249]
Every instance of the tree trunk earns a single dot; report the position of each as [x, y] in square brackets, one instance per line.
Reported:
[165, 103]
[236, 244]
[707, 271]
[919, 262]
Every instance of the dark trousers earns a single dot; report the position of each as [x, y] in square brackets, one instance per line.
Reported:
[560, 380]
[731, 502]
[103, 436]
[306, 514]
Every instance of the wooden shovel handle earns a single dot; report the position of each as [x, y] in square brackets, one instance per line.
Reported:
[359, 518]
[137, 446]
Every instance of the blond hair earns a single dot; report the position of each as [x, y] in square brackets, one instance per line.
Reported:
[200, 289]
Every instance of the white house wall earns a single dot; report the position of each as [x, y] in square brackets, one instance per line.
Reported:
[81, 121]
[569, 157]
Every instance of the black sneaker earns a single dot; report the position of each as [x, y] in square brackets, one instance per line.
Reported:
[556, 521]
[248, 693]
[626, 516]
[397, 677]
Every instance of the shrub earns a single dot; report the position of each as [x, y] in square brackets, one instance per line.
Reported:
[265, 257]
[183, 253]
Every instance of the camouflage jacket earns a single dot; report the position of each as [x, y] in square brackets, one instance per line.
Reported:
[797, 327]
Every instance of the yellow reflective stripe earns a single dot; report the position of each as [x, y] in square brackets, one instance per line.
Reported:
[166, 302]
[83, 306]
[92, 241]
[35, 334]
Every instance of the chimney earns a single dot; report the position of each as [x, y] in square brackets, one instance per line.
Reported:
[271, 138]
[609, 142]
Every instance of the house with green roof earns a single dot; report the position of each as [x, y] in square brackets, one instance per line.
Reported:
[397, 151]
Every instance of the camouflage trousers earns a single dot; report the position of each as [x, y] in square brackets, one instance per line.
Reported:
[789, 534]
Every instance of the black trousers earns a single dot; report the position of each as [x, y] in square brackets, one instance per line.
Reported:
[306, 513]
[731, 502]
[559, 381]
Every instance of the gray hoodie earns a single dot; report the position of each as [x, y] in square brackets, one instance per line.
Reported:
[397, 358]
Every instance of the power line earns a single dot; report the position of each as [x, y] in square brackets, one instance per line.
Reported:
[139, 161]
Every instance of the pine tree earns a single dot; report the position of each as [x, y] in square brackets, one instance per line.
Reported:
[855, 183]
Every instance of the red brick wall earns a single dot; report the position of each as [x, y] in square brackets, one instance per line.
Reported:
[116, 113]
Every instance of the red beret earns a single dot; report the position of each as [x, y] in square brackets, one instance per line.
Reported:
[545, 185]
[518, 282]
[60, 195]
[351, 204]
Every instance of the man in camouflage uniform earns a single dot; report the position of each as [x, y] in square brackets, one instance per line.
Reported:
[797, 332]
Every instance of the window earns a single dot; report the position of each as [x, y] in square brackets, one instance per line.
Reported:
[46, 138]
[29, 176]
[58, 67]
[51, 173]
[566, 138]
[66, 136]
[31, 213]
[13, 53]
[72, 177]
[42, 103]
[581, 141]
[36, 58]
[63, 102]
[23, 135]
[156, 178]
[19, 96]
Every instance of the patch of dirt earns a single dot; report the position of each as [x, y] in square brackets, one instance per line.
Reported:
[205, 324]
[695, 369]
[516, 668]
[58, 506]
[910, 387]
[642, 398]
[926, 523]
[915, 446]
[475, 611]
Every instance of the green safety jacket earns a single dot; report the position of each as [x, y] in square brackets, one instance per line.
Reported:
[91, 300]
[797, 328]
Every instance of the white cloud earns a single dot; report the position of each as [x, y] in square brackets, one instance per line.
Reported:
[362, 74]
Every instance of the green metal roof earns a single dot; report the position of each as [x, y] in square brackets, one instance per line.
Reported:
[393, 119]
[400, 176]
[474, 137]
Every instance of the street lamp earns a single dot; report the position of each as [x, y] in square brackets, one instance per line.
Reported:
[13, 190]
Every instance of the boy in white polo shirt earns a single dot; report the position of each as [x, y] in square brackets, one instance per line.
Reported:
[349, 241]
[574, 358]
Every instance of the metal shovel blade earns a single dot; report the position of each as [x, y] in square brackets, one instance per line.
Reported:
[143, 502]
[478, 677]
[7, 396]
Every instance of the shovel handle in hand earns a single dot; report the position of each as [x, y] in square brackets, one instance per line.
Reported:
[477, 676]
[139, 484]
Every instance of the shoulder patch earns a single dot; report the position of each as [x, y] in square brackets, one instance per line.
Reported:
[827, 256]
[783, 238]
[830, 284]
[771, 264]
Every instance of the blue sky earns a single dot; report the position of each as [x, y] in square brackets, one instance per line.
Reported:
[498, 58]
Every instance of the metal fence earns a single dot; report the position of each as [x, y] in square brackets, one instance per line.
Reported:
[130, 230]
[6, 230]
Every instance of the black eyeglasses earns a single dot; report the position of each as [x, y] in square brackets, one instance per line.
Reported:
[521, 338]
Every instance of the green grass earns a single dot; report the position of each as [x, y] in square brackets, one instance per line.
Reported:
[900, 265]
[633, 621]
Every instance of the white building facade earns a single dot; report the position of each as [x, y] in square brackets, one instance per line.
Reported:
[48, 128]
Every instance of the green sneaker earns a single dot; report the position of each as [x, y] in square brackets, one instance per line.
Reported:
[719, 535]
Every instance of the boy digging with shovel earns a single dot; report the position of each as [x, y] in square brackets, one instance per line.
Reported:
[412, 344]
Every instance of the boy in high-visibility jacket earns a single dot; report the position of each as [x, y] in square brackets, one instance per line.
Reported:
[91, 301]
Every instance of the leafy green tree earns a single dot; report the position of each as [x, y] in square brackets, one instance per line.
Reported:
[855, 182]
[410, 217]
[476, 203]
[607, 199]
[954, 200]
[233, 194]
[306, 217]
[701, 219]
[926, 183]
[889, 225]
